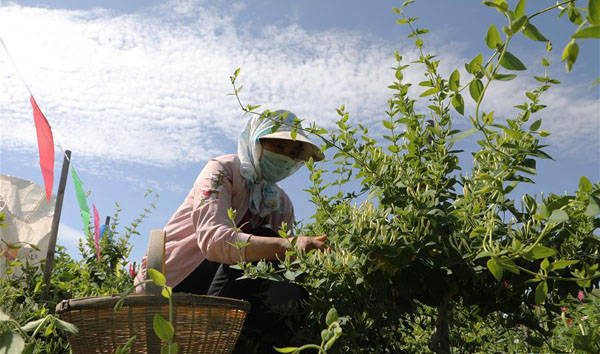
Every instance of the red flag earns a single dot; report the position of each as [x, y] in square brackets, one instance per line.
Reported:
[97, 231]
[45, 147]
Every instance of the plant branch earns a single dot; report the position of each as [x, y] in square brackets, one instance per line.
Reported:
[550, 8]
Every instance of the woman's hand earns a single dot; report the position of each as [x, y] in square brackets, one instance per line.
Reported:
[308, 243]
[274, 248]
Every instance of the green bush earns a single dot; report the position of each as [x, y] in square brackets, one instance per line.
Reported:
[424, 255]
[22, 299]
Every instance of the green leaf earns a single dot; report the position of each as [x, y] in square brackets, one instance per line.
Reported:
[504, 77]
[531, 32]
[481, 254]
[163, 328]
[32, 325]
[157, 277]
[126, 349]
[544, 133]
[593, 209]
[492, 38]
[393, 149]
[458, 103]
[388, 124]
[539, 251]
[585, 185]
[65, 326]
[331, 317]
[535, 125]
[511, 62]
[475, 64]
[429, 92]
[562, 263]
[508, 264]
[499, 5]
[570, 54]
[495, 269]
[454, 82]
[475, 89]
[588, 32]
[286, 349]
[545, 264]
[517, 24]
[520, 8]
[541, 291]
[231, 214]
[558, 216]
[166, 292]
[594, 11]
[11, 343]
[419, 42]
[462, 135]
[545, 62]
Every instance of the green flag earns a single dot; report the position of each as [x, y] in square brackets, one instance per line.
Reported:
[85, 210]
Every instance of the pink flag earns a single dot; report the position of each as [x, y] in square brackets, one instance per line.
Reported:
[45, 147]
[96, 231]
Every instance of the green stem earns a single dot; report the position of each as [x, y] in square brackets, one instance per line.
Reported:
[18, 327]
[542, 234]
[525, 270]
[485, 66]
[550, 8]
[320, 136]
[40, 326]
[171, 312]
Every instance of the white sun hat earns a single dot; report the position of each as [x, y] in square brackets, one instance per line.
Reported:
[284, 132]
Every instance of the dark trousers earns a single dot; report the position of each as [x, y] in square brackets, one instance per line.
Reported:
[275, 306]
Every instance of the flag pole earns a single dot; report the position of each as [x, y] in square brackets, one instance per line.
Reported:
[55, 221]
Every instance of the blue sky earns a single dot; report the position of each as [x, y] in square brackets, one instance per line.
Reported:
[138, 89]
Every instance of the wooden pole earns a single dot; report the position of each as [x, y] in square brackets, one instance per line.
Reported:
[55, 221]
[107, 223]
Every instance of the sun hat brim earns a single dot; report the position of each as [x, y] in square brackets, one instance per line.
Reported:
[309, 150]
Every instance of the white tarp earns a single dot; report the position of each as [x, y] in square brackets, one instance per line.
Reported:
[28, 219]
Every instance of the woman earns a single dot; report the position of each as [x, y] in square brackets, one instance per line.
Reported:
[200, 236]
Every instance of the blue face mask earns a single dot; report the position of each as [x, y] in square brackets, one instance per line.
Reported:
[275, 167]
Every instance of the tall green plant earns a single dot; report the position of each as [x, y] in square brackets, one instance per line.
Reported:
[420, 238]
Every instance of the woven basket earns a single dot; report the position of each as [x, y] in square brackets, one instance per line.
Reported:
[203, 324]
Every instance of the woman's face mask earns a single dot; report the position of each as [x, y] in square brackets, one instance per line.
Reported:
[275, 167]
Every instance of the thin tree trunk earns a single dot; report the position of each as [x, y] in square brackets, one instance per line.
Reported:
[440, 340]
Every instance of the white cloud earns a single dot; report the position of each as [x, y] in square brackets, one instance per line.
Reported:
[151, 87]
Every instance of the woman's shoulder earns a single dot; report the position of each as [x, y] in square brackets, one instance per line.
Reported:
[230, 163]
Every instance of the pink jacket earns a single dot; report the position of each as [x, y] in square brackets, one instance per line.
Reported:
[200, 228]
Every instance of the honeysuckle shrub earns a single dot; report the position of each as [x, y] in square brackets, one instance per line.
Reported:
[22, 298]
[422, 245]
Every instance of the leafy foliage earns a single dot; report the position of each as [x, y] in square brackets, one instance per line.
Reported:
[422, 240]
[22, 295]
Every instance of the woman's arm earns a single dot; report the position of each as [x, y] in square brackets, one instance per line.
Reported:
[272, 248]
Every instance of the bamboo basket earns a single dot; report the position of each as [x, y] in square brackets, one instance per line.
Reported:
[203, 324]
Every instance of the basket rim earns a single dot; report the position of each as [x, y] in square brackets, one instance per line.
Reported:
[140, 300]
